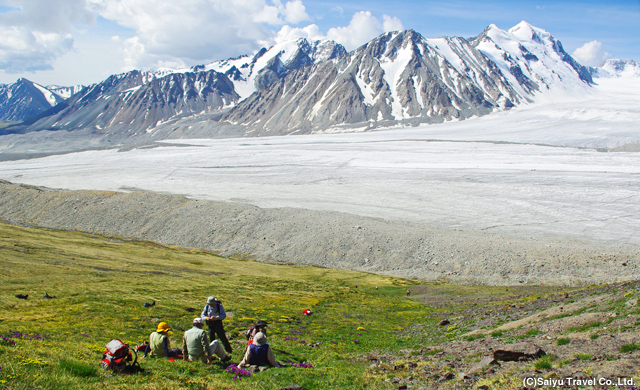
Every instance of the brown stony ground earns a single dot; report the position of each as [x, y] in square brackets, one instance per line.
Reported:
[581, 331]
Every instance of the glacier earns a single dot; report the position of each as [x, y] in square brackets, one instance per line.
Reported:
[567, 165]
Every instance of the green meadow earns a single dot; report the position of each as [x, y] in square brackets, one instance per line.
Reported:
[100, 284]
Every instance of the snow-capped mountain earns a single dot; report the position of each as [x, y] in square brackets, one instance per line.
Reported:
[250, 73]
[136, 102]
[531, 59]
[402, 76]
[617, 68]
[303, 87]
[24, 99]
[397, 76]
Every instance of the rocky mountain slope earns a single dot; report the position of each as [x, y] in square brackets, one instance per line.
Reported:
[133, 103]
[24, 99]
[397, 76]
[401, 76]
[251, 73]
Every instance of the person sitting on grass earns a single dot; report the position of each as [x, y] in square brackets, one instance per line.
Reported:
[159, 343]
[260, 326]
[259, 353]
[196, 346]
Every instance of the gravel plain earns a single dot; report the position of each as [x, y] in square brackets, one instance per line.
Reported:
[324, 238]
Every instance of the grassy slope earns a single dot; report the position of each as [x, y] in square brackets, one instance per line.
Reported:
[101, 283]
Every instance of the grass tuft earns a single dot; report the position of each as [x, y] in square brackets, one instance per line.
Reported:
[583, 356]
[78, 369]
[544, 363]
[629, 347]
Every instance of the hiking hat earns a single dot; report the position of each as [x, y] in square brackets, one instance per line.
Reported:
[197, 321]
[261, 323]
[211, 300]
[260, 338]
[163, 327]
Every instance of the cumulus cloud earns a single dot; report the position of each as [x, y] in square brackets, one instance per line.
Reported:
[196, 30]
[390, 23]
[36, 32]
[152, 33]
[591, 54]
[288, 33]
[295, 12]
[362, 28]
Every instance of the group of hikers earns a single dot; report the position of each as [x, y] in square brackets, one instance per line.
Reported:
[196, 345]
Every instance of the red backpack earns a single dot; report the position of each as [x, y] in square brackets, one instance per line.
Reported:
[117, 355]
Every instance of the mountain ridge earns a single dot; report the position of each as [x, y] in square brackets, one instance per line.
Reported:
[396, 78]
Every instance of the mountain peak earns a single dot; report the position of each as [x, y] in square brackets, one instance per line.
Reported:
[526, 32]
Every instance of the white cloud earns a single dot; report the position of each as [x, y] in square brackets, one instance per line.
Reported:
[338, 10]
[288, 33]
[295, 12]
[391, 23]
[591, 54]
[361, 29]
[151, 33]
[197, 30]
[36, 32]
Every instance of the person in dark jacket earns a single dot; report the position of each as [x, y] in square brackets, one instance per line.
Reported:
[213, 314]
[259, 353]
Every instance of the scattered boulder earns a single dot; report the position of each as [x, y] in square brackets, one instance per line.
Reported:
[580, 375]
[484, 363]
[518, 352]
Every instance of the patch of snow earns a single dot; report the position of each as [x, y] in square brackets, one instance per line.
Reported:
[393, 68]
[50, 96]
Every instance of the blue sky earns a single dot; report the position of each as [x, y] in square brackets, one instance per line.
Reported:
[69, 42]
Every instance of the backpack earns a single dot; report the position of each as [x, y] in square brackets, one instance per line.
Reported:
[117, 355]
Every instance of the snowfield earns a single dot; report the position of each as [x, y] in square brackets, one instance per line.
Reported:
[566, 166]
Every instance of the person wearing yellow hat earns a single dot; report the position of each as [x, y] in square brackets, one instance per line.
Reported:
[159, 343]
